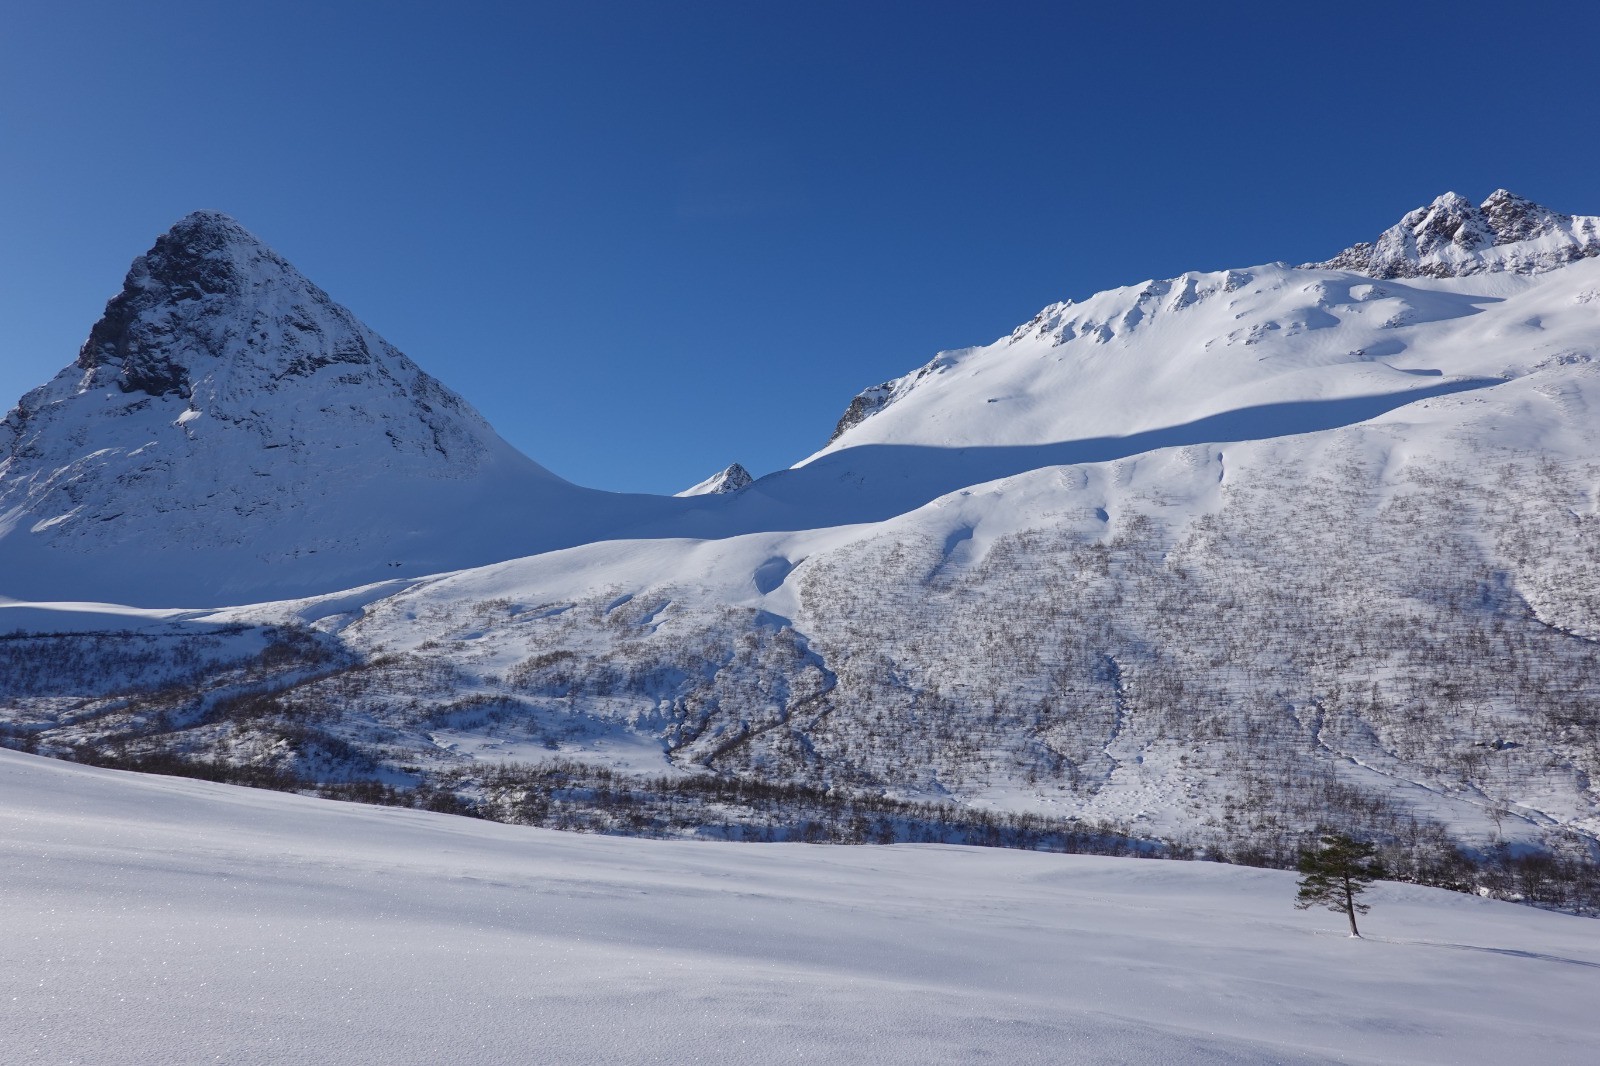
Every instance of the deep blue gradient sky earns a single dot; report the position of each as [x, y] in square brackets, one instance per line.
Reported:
[649, 239]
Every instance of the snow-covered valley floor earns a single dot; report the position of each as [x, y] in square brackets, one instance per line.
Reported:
[163, 920]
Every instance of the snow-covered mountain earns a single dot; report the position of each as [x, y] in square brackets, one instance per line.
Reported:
[1450, 238]
[229, 433]
[1214, 559]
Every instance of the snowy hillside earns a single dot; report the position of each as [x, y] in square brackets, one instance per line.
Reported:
[1207, 562]
[154, 920]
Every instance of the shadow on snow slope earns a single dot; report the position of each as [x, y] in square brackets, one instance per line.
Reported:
[876, 482]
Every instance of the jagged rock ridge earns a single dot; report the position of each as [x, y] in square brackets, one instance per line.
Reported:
[1452, 238]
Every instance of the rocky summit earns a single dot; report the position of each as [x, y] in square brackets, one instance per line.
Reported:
[1452, 238]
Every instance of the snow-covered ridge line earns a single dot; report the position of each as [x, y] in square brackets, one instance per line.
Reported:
[1449, 238]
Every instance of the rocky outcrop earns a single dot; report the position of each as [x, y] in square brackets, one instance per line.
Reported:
[732, 479]
[1453, 238]
[863, 406]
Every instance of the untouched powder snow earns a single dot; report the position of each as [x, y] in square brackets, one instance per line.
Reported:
[155, 920]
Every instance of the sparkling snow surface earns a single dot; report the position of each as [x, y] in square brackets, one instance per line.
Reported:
[157, 920]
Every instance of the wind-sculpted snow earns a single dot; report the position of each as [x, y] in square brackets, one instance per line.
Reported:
[1173, 352]
[874, 482]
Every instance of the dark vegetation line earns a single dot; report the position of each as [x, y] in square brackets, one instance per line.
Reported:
[577, 797]
[1305, 670]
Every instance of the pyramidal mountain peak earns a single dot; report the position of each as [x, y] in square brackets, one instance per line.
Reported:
[212, 315]
[205, 257]
[224, 403]
[216, 341]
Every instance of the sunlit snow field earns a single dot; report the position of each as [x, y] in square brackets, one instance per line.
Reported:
[160, 920]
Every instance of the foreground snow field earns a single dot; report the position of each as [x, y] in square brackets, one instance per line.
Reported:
[161, 920]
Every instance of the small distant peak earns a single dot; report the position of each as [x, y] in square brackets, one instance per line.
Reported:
[732, 479]
[866, 403]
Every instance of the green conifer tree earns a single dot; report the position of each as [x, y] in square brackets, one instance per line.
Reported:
[1335, 873]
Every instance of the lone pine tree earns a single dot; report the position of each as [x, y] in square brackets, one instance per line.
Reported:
[1335, 873]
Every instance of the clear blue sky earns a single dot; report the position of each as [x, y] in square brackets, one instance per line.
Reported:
[649, 239]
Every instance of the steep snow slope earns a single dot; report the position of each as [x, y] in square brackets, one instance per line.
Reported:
[1391, 620]
[1213, 357]
[230, 433]
[155, 920]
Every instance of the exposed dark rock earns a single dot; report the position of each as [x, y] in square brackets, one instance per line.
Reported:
[867, 403]
[732, 479]
[198, 258]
